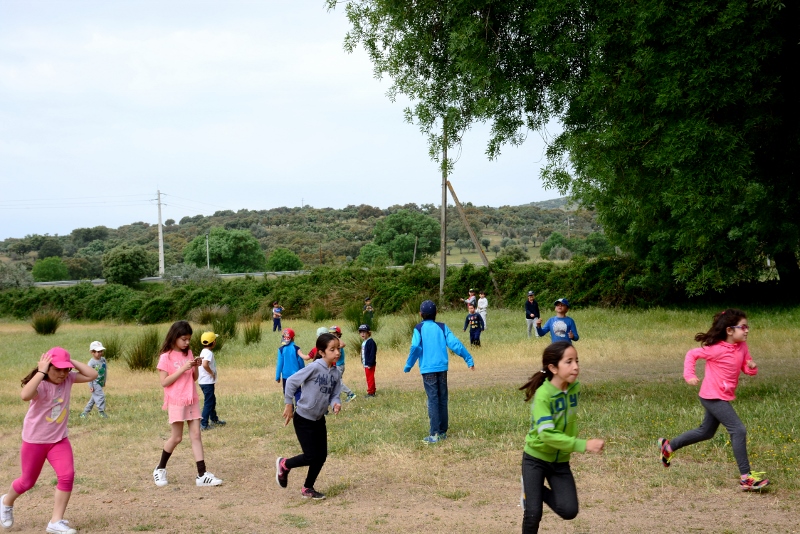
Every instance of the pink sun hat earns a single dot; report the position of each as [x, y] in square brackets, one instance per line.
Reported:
[60, 358]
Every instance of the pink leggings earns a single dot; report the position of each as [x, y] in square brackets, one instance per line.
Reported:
[32, 457]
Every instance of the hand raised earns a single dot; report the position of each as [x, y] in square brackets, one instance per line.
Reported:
[44, 363]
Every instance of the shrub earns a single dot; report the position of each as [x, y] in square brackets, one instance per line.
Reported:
[282, 259]
[46, 322]
[113, 345]
[225, 326]
[188, 272]
[252, 331]
[126, 264]
[514, 253]
[157, 310]
[319, 313]
[143, 354]
[50, 269]
[354, 314]
[208, 314]
[14, 275]
[560, 253]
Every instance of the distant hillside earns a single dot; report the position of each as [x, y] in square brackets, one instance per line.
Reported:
[554, 204]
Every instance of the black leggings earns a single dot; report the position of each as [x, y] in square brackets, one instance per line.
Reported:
[561, 496]
[313, 438]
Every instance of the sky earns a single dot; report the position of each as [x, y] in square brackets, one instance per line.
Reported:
[219, 105]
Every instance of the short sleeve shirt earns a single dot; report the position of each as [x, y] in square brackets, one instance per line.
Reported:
[48, 412]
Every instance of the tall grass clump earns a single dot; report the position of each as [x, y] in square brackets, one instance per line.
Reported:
[319, 313]
[143, 354]
[113, 345]
[225, 326]
[46, 322]
[252, 330]
[354, 314]
[208, 314]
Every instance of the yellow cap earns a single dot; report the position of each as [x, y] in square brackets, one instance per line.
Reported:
[208, 338]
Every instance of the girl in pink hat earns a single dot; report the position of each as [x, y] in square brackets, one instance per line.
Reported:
[44, 433]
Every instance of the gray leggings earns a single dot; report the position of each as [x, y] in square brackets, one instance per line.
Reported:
[718, 411]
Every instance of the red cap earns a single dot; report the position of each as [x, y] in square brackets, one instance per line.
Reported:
[335, 330]
[288, 331]
[59, 358]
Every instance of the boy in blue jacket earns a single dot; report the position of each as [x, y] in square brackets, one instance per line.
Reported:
[290, 360]
[429, 345]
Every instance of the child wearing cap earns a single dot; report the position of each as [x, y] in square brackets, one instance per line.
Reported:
[429, 344]
[290, 360]
[561, 327]
[531, 312]
[471, 299]
[348, 393]
[369, 352]
[98, 363]
[207, 378]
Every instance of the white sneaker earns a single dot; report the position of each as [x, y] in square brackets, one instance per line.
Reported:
[6, 513]
[208, 479]
[60, 527]
[160, 477]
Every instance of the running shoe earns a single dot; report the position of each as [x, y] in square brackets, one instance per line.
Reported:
[208, 479]
[160, 477]
[60, 527]
[666, 452]
[6, 513]
[755, 481]
[281, 472]
[434, 438]
[312, 493]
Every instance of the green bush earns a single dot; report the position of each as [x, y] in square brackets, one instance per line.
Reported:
[208, 314]
[143, 354]
[51, 269]
[157, 310]
[46, 322]
[252, 331]
[282, 259]
[126, 264]
[113, 345]
[225, 326]
[319, 313]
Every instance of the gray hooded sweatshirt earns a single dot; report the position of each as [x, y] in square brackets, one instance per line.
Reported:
[320, 387]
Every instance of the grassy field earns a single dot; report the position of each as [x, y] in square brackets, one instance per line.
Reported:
[380, 477]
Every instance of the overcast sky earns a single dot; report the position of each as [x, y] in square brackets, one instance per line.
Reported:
[220, 105]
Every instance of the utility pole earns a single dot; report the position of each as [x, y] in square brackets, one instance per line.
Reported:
[443, 263]
[416, 240]
[208, 258]
[160, 239]
[568, 219]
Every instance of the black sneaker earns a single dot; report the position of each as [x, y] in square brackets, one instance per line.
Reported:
[312, 493]
[218, 422]
[281, 472]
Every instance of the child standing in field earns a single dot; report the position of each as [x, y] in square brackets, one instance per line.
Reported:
[348, 393]
[531, 313]
[207, 379]
[277, 313]
[290, 360]
[368, 311]
[724, 348]
[177, 369]
[369, 353]
[483, 305]
[98, 363]
[471, 299]
[429, 344]
[321, 385]
[561, 327]
[552, 437]
[475, 324]
[44, 434]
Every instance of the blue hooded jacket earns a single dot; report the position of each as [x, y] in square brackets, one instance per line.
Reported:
[429, 345]
[289, 362]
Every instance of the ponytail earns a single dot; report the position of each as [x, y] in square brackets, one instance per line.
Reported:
[719, 326]
[30, 376]
[551, 356]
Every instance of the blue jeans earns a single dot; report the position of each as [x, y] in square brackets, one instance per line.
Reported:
[276, 324]
[209, 404]
[436, 390]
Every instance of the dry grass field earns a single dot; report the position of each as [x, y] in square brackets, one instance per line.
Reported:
[379, 477]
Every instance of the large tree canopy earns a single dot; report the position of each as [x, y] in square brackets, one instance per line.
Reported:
[681, 119]
[397, 233]
[230, 251]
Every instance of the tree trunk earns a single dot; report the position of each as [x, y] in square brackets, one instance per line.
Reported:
[789, 271]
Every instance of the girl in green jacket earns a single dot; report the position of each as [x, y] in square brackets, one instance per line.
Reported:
[552, 437]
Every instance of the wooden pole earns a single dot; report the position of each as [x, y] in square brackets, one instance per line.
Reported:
[443, 262]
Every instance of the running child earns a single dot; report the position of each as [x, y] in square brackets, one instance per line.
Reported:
[561, 327]
[178, 371]
[44, 434]
[277, 313]
[348, 393]
[207, 379]
[724, 348]
[98, 363]
[369, 352]
[483, 305]
[552, 437]
[290, 359]
[429, 344]
[475, 323]
[321, 385]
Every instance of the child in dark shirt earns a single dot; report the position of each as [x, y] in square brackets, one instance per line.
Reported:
[475, 323]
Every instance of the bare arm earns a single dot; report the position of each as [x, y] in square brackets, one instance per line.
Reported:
[29, 390]
[85, 372]
[168, 380]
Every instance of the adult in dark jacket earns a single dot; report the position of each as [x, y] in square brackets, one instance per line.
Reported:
[531, 313]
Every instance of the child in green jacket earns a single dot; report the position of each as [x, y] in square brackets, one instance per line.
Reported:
[552, 437]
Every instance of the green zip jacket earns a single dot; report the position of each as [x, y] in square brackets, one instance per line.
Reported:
[554, 423]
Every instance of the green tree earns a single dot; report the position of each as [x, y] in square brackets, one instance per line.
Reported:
[283, 259]
[555, 240]
[50, 270]
[514, 253]
[372, 255]
[681, 122]
[230, 251]
[51, 247]
[14, 276]
[126, 264]
[397, 233]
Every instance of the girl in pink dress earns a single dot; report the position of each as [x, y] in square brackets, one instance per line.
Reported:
[177, 368]
[44, 433]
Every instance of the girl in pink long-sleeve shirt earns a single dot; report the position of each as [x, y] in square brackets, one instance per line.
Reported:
[724, 348]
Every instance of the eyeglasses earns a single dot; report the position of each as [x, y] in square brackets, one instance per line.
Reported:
[744, 327]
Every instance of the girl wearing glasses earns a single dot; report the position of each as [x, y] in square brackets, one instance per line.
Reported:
[724, 348]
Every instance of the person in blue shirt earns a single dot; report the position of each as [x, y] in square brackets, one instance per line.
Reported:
[290, 359]
[561, 327]
[475, 324]
[429, 344]
[348, 393]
